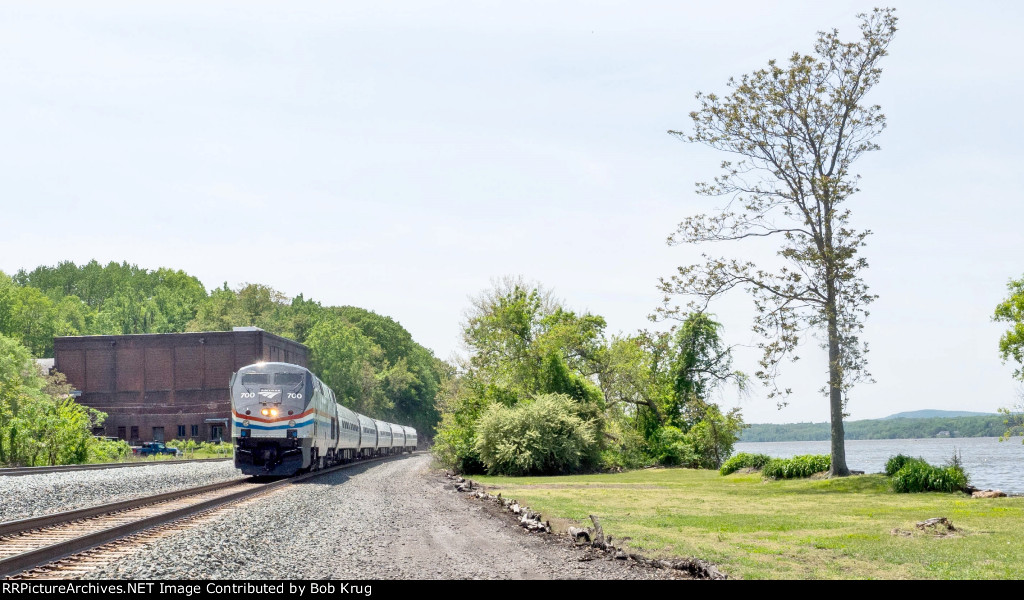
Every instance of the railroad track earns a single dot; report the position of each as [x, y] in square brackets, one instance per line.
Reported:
[30, 547]
[16, 471]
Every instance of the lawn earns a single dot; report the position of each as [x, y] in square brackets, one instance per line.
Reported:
[795, 529]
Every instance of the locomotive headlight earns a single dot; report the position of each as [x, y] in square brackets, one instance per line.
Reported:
[273, 412]
[291, 423]
[265, 412]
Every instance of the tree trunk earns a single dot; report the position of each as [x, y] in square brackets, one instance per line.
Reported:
[835, 389]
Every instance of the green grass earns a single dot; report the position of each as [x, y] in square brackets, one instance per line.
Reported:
[756, 529]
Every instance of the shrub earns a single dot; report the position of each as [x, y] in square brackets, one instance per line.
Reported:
[915, 475]
[104, 451]
[214, 450]
[744, 460]
[544, 436]
[895, 463]
[626, 448]
[798, 466]
[670, 446]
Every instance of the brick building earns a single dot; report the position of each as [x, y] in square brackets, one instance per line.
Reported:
[166, 386]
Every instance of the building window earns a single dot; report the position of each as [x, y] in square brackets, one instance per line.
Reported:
[181, 431]
[195, 431]
[135, 432]
[121, 433]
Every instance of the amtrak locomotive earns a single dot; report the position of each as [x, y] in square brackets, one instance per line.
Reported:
[285, 420]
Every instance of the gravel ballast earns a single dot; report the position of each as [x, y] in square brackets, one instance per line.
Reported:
[395, 519]
[34, 495]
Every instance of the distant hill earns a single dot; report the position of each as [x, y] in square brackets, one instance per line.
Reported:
[890, 428]
[931, 413]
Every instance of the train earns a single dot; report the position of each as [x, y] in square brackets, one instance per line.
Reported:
[285, 420]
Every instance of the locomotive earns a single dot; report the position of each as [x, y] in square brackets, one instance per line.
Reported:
[285, 420]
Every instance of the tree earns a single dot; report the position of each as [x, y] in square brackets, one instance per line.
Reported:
[522, 344]
[1011, 310]
[348, 362]
[217, 312]
[513, 330]
[699, 363]
[33, 320]
[38, 418]
[796, 132]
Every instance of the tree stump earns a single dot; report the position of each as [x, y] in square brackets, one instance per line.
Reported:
[936, 522]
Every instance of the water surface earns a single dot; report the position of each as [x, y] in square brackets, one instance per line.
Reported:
[989, 463]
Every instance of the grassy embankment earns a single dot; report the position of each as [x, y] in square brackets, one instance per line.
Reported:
[824, 528]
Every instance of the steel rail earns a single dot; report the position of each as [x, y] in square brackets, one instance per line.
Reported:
[23, 525]
[34, 558]
[17, 471]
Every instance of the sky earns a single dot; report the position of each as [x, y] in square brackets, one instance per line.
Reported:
[401, 156]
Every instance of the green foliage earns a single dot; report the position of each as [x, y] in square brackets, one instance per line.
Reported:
[523, 345]
[349, 363]
[373, 358]
[209, 449]
[798, 466]
[96, 300]
[410, 375]
[919, 476]
[910, 475]
[39, 423]
[897, 462]
[543, 436]
[105, 451]
[190, 448]
[1011, 311]
[650, 402]
[462, 400]
[699, 363]
[704, 446]
[671, 446]
[625, 446]
[881, 429]
[713, 436]
[744, 460]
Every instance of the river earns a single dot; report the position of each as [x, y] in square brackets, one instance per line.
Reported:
[988, 462]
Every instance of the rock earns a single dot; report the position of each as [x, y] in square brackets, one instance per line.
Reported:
[988, 494]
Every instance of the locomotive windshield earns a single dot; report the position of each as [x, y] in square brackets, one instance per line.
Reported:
[255, 378]
[288, 378]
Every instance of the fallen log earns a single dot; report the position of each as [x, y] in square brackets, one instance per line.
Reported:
[701, 569]
[579, 535]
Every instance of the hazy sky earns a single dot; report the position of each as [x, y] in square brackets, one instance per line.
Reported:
[400, 155]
